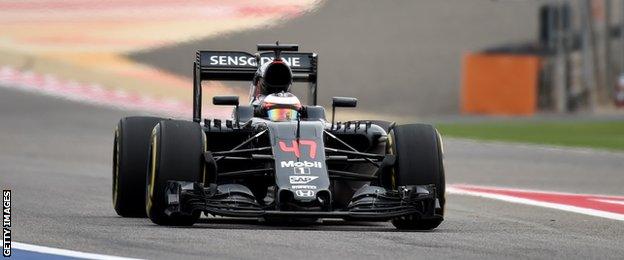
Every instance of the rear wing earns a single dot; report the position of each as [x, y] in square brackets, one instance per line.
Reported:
[242, 66]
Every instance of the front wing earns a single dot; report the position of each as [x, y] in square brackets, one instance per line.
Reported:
[376, 204]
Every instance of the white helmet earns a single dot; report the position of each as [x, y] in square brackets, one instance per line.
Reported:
[283, 106]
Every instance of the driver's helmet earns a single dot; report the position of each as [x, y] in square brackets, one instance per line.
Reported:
[281, 106]
[272, 77]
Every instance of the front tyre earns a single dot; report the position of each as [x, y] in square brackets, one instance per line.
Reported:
[176, 154]
[418, 151]
[130, 148]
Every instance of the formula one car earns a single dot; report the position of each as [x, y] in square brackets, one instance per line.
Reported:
[276, 159]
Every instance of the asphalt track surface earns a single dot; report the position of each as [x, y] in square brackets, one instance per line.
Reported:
[56, 157]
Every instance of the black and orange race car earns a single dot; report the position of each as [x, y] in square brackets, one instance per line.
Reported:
[276, 159]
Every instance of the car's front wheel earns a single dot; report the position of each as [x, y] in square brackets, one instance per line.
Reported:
[418, 151]
[130, 149]
[176, 152]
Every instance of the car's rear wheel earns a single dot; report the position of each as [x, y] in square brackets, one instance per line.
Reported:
[176, 152]
[418, 151]
[130, 149]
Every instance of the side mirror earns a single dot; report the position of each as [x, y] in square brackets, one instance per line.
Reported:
[341, 102]
[225, 100]
[228, 101]
[344, 102]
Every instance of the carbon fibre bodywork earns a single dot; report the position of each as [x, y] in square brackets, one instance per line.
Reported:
[299, 169]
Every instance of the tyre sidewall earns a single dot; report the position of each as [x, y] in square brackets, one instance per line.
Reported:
[176, 155]
[130, 149]
[419, 161]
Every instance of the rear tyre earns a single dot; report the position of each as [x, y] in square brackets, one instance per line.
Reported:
[176, 154]
[130, 149]
[418, 150]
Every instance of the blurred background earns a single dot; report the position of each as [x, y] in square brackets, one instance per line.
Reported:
[477, 68]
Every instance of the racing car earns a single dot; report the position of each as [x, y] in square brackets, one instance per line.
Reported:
[276, 158]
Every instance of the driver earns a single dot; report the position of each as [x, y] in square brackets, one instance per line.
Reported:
[269, 92]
